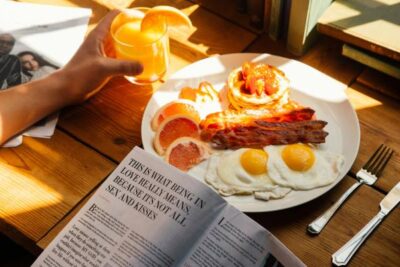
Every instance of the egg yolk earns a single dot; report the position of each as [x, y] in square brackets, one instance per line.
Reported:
[254, 161]
[298, 157]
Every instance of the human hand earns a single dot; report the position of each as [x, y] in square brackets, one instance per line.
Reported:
[90, 69]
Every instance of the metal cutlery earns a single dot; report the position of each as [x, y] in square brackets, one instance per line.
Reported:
[368, 174]
[344, 254]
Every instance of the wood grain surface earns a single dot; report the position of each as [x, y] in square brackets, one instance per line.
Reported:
[376, 112]
[45, 182]
[379, 116]
[290, 227]
[43, 179]
[380, 82]
[46, 239]
[371, 25]
[381, 249]
[227, 11]
[324, 56]
[115, 113]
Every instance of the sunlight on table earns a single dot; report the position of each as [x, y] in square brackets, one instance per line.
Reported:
[361, 101]
[31, 194]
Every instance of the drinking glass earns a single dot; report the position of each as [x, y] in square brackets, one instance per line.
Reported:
[150, 46]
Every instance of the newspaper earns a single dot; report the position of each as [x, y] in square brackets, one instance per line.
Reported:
[148, 213]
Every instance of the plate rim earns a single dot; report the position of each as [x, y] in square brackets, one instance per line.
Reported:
[253, 209]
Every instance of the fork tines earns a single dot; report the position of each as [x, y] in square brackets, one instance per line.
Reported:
[378, 160]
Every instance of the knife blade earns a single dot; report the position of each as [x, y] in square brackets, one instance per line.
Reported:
[391, 199]
[344, 254]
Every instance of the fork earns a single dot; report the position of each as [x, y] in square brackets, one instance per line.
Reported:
[368, 174]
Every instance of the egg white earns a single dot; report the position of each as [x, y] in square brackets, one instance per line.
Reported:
[226, 174]
[324, 171]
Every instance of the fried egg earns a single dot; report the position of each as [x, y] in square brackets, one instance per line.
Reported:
[302, 166]
[243, 171]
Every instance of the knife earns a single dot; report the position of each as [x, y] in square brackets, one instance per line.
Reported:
[344, 254]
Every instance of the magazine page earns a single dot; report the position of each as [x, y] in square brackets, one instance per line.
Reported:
[146, 213]
[234, 239]
[36, 40]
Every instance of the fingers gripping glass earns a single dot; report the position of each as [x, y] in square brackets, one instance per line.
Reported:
[150, 46]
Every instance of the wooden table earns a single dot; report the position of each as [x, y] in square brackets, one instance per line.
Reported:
[45, 182]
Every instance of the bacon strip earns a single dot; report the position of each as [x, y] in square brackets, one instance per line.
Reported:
[305, 125]
[269, 133]
[235, 119]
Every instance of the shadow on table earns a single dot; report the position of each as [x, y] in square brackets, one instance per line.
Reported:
[378, 116]
[325, 56]
[13, 255]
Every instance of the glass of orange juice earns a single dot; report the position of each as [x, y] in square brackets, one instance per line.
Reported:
[149, 45]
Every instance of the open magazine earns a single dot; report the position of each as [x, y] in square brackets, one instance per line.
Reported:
[36, 40]
[148, 213]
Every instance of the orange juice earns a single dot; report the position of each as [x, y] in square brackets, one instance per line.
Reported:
[150, 47]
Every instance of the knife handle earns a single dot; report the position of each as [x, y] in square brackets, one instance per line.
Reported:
[318, 224]
[344, 254]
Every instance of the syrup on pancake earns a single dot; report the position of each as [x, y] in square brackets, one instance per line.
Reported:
[257, 86]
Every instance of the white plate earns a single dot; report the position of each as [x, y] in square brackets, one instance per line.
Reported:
[308, 86]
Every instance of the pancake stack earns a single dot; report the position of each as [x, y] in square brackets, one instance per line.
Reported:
[257, 86]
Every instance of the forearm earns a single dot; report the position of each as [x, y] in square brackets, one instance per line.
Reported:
[25, 104]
